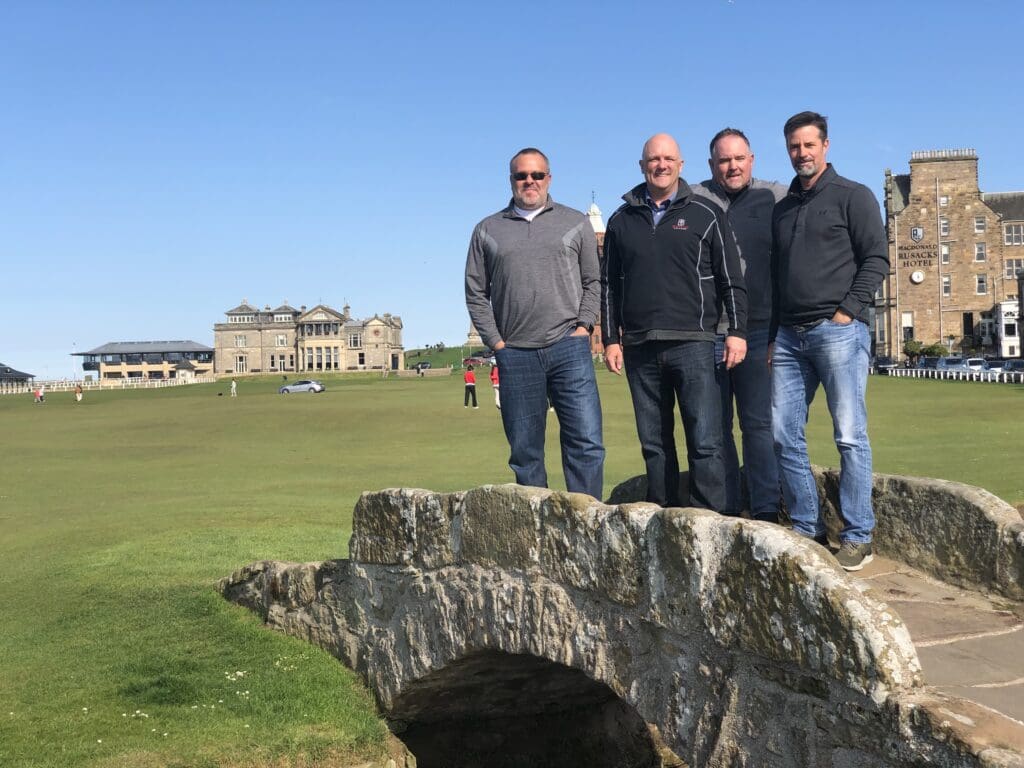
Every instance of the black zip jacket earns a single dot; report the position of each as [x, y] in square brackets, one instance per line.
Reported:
[749, 213]
[665, 282]
[829, 252]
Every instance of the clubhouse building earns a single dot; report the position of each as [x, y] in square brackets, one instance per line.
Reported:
[286, 339]
[120, 360]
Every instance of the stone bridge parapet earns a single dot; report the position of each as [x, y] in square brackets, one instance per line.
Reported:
[714, 641]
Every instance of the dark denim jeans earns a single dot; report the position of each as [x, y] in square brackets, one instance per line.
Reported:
[564, 374]
[749, 385]
[659, 373]
[836, 356]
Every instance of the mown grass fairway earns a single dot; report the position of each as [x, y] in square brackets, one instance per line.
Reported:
[117, 517]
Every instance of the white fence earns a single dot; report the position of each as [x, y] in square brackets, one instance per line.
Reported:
[956, 375]
[68, 385]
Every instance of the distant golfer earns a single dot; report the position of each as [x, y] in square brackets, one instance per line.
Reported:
[78, 393]
[234, 388]
[469, 379]
[496, 384]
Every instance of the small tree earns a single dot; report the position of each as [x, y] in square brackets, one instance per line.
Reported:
[938, 349]
[912, 349]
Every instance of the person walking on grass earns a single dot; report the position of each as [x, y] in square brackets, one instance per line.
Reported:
[469, 379]
[78, 393]
[495, 383]
[234, 388]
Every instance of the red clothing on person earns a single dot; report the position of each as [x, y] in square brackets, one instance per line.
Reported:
[469, 377]
[494, 377]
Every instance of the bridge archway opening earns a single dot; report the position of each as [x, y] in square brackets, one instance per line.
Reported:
[503, 710]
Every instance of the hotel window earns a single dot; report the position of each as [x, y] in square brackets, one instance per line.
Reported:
[282, 318]
[1012, 266]
[944, 253]
[240, 340]
[981, 284]
[282, 340]
[979, 224]
[979, 252]
[880, 334]
[947, 285]
[944, 200]
[907, 324]
[309, 358]
[241, 318]
[362, 358]
[337, 358]
[240, 364]
[355, 340]
[1013, 234]
[944, 227]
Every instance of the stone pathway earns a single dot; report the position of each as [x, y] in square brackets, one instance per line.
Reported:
[970, 645]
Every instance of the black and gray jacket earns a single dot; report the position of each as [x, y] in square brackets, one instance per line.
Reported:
[829, 251]
[665, 282]
[750, 217]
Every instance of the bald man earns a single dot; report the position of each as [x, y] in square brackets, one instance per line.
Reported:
[670, 260]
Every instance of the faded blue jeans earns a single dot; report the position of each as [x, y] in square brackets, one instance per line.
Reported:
[564, 374]
[659, 374]
[836, 356]
[749, 386]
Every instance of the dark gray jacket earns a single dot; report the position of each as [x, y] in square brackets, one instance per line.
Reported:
[750, 216]
[829, 252]
[528, 283]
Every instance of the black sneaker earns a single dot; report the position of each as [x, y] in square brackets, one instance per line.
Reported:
[853, 556]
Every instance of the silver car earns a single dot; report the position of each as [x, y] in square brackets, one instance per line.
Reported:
[303, 385]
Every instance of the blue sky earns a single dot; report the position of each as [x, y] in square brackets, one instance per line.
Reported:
[162, 161]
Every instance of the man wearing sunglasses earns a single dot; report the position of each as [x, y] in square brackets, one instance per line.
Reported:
[532, 291]
[670, 259]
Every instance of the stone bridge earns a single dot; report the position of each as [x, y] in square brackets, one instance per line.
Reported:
[510, 626]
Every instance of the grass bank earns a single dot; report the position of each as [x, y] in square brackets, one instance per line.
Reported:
[118, 516]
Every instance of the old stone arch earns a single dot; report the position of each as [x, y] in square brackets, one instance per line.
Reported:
[693, 639]
[513, 710]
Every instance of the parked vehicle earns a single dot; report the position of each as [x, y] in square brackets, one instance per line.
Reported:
[422, 365]
[303, 385]
[928, 362]
[473, 361]
[951, 364]
[977, 364]
[884, 364]
[1013, 366]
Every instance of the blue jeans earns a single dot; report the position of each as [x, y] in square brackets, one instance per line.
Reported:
[659, 372]
[564, 374]
[836, 356]
[749, 385]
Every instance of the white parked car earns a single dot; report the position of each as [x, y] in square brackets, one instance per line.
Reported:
[977, 364]
[305, 385]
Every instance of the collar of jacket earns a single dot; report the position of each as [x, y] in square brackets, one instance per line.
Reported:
[826, 178]
[637, 196]
[510, 210]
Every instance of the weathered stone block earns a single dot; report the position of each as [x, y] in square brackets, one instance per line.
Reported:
[501, 525]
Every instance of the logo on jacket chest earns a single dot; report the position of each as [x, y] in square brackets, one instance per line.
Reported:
[680, 223]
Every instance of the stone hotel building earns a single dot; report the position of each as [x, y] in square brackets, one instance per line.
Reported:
[304, 340]
[954, 254]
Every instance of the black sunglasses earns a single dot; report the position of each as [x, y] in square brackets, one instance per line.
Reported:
[535, 175]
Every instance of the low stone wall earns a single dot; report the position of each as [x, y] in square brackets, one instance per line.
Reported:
[958, 533]
[736, 642]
